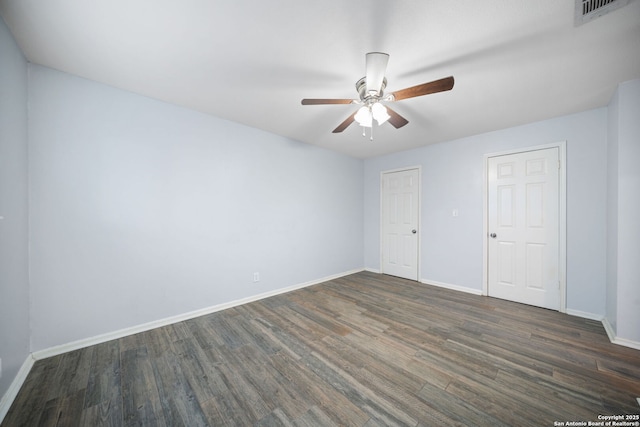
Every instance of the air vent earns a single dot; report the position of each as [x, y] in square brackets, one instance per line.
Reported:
[588, 10]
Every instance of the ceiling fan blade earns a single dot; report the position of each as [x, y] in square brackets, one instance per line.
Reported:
[326, 101]
[342, 126]
[424, 89]
[376, 67]
[396, 120]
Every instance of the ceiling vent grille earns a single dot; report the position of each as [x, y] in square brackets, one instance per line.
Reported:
[588, 10]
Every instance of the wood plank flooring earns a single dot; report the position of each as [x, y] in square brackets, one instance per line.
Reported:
[363, 350]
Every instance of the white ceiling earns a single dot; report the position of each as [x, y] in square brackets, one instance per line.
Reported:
[252, 61]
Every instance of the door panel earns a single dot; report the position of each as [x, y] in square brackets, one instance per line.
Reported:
[400, 209]
[505, 201]
[523, 227]
[506, 262]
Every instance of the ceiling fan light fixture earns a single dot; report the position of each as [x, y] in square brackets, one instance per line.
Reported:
[380, 113]
[364, 117]
[371, 88]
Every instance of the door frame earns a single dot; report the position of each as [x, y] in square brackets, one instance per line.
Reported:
[562, 216]
[419, 202]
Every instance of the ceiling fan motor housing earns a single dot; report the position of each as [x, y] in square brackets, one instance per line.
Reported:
[361, 87]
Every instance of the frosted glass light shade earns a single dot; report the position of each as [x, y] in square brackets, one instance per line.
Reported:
[380, 113]
[363, 117]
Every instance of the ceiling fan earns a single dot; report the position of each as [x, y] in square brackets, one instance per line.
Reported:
[371, 92]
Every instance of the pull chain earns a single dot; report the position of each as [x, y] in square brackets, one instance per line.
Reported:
[364, 132]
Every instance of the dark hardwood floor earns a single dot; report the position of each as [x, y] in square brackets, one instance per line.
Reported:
[363, 350]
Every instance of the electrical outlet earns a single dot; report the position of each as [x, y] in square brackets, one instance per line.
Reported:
[256, 277]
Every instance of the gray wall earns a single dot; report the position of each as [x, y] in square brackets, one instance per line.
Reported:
[452, 177]
[14, 279]
[612, 211]
[142, 210]
[623, 245]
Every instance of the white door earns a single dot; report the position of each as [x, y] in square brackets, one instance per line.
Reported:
[523, 219]
[400, 210]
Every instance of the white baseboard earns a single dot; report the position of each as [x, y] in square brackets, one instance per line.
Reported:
[452, 287]
[372, 270]
[14, 388]
[585, 314]
[86, 342]
[617, 340]
[609, 329]
[627, 343]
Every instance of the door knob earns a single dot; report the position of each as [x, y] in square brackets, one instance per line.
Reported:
[493, 235]
[414, 231]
